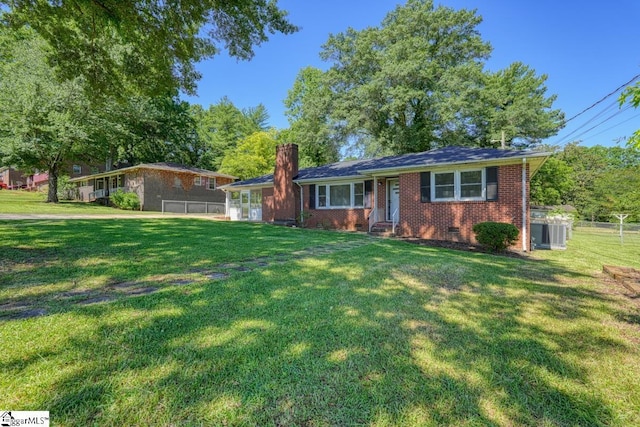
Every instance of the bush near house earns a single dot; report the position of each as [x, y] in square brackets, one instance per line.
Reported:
[66, 189]
[497, 236]
[126, 201]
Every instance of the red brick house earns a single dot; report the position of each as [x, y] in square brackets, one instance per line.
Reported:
[438, 194]
[159, 186]
[11, 178]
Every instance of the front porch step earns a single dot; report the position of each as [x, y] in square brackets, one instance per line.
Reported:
[383, 228]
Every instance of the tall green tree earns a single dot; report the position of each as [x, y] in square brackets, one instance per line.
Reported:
[403, 83]
[147, 130]
[553, 183]
[223, 125]
[308, 106]
[603, 180]
[43, 122]
[618, 191]
[157, 42]
[417, 82]
[255, 155]
[516, 108]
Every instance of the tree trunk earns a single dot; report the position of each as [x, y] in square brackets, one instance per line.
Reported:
[52, 196]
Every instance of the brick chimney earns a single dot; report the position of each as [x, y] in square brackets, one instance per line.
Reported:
[285, 197]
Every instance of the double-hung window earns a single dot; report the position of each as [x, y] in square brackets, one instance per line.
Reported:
[342, 195]
[444, 186]
[471, 184]
[464, 185]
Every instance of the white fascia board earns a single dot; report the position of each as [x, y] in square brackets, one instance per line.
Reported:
[231, 187]
[473, 163]
[113, 172]
[331, 179]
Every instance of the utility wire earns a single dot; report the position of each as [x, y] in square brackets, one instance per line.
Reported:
[602, 122]
[571, 135]
[605, 97]
[613, 127]
[605, 110]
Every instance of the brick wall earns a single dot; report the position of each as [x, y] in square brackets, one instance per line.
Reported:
[341, 219]
[454, 220]
[286, 199]
[267, 205]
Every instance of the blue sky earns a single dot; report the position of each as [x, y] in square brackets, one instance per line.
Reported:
[586, 48]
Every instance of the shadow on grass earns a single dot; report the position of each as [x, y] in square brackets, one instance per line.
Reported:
[384, 334]
[42, 260]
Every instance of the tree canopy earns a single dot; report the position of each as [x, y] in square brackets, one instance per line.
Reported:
[222, 126]
[632, 94]
[46, 124]
[418, 82]
[308, 105]
[150, 46]
[43, 123]
[254, 155]
[597, 181]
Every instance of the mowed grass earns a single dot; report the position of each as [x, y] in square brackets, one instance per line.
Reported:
[33, 202]
[385, 333]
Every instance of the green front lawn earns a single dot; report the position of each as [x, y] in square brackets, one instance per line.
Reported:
[364, 332]
[33, 202]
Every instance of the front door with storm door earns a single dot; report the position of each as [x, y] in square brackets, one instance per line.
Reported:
[244, 204]
[393, 199]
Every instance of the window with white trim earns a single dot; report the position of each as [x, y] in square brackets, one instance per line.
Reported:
[212, 184]
[340, 195]
[197, 181]
[444, 186]
[464, 185]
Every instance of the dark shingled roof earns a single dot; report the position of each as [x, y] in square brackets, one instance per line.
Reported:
[440, 156]
[166, 166]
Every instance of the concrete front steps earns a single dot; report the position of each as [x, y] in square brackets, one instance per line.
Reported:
[382, 228]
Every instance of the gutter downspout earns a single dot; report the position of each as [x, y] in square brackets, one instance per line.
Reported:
[375, 203]
[301, 202]
[227, 203]
[524, 205]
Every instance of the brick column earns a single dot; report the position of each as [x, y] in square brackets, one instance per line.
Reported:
[285, 191]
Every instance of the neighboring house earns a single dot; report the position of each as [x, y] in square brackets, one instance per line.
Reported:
[12, 179]
[438, 194]
[39, 180]
[155, 182]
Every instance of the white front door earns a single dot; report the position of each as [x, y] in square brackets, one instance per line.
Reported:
[393, 199]
[244, 204]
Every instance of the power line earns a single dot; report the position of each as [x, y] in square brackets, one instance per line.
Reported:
[603, 121]
[606, 109]
[614, 126]
[570, 136]
[605, 97]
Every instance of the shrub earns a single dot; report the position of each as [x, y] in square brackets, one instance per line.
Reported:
[66, 189]
[497, 236]
[125, 201]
